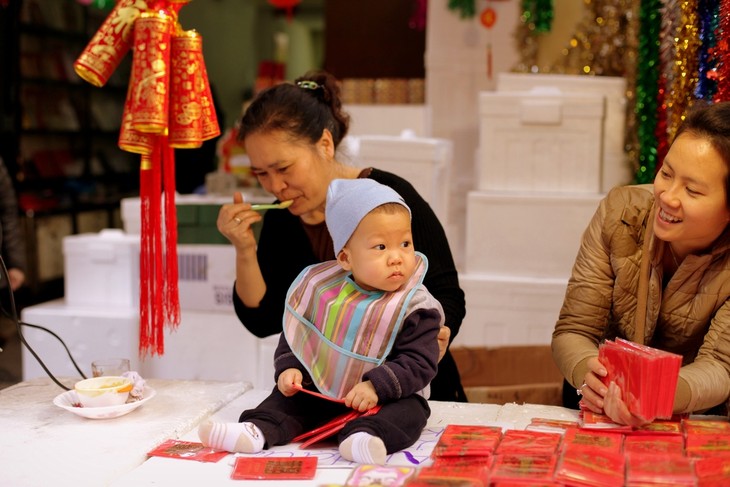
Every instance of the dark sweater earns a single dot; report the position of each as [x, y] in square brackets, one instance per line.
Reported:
[284, 250]
[409, 367]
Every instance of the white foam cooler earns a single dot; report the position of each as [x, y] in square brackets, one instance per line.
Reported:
[205, 346]
[540, 140]
[205, 276]
[90, 333]
[525, 234]
[424, 162]
[101, 269]
[615, 167]
[509, 310]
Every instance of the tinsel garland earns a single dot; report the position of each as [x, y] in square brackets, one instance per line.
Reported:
[722, 53]
[671, 53]
[539, 13]
[686, 67]
[671, 16]
[647, 87]
[466, 8]
[708, 11]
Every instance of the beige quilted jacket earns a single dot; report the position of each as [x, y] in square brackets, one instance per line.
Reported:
[690, 317]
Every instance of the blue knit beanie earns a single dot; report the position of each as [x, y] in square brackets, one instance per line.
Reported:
[349, 200]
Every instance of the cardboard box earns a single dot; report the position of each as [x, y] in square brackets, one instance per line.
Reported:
[520, 374]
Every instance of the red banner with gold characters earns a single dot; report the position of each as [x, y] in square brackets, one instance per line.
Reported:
[168, 105]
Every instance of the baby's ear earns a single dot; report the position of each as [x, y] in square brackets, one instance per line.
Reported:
[343, 258]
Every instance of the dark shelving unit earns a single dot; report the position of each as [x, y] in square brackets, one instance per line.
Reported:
[58, 133]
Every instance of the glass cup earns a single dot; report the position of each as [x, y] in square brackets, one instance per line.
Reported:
[111, 366]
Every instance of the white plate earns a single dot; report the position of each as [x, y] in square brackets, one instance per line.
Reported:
[69, 401]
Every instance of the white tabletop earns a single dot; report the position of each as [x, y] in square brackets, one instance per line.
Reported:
[43, 444]
[332, 469]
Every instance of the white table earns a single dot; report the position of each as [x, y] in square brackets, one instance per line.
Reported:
[332, 468]
[42, 444]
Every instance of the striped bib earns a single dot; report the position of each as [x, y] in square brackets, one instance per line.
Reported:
[340, 331]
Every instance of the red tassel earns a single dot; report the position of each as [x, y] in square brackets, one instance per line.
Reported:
[151, 326]
[171, 294]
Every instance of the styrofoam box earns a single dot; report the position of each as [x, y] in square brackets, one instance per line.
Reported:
[615, 167]
[131, 207]
[92, 333]
[424, 162]
[504, 310]
[541, 140]
[525, 234]
[213, 346]
[101, 269]
[205, 276]
[388, 119]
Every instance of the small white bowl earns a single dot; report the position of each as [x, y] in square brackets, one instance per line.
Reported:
[100, 392]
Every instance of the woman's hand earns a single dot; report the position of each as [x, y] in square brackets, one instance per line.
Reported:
[593, 390]
[235, 221]
[616, 409]
[289, 382]
[605, 400]
[443, 339]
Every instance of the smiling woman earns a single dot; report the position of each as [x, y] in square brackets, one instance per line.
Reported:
[653, 268]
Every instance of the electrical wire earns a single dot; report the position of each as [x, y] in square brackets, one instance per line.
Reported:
[13, 315]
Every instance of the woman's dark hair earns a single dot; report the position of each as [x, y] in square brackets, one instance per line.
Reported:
[711, 121]
[302, 109]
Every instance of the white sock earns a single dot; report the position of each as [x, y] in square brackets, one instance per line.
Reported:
[363, 447]
[234, 437]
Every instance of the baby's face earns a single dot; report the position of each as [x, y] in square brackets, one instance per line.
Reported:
[380, 252]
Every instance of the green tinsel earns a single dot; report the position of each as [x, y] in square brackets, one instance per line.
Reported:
[647, 87]
[539, 13]
[467, 8]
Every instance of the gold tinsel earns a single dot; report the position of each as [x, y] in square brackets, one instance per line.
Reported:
[680, 94]
[604, 43]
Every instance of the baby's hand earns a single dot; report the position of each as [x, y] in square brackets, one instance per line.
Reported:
[362, 397]
[290, 381]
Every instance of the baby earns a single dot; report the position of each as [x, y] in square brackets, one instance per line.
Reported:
[360, 330]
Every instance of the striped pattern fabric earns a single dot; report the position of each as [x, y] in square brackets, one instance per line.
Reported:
[338, 330]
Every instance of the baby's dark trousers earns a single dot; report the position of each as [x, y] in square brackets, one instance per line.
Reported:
[398, 423]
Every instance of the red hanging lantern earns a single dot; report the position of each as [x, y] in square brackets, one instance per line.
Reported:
[287, 5]
[488, 17]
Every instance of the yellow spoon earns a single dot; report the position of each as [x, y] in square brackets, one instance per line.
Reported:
[273, 206]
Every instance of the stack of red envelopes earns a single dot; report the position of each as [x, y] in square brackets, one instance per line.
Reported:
[646, 376]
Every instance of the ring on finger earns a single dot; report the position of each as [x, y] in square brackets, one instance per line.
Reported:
[579, 390]
[237, 220]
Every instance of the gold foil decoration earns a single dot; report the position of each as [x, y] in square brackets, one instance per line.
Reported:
[211, 129]
[150, 76]
[112, 41]
[186, 110]
[130, 139]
